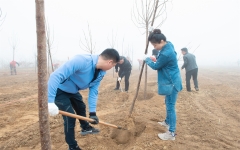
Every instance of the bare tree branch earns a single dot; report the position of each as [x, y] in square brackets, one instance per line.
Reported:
[113, 40]
[13, 43]
[87, 45]
[143, 14]
[2, 18]
[49, 40]
[149, 14]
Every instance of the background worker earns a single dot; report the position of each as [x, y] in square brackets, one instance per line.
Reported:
[81, 72]
[13, 67]
[125, 68]
[191, 69]
[155, 52]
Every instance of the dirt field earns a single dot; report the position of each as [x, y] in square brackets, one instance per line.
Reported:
[206, 120]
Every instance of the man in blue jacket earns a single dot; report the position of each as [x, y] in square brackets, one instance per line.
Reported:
[81, 72]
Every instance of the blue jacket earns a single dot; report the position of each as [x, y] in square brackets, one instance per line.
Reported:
[77, 74]
[167, 67]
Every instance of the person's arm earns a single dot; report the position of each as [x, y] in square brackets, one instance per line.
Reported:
[17, 63]
[122, 74]
[93, 97]
[116, 67]
[185, 62]
[160, 63]
[62, 73]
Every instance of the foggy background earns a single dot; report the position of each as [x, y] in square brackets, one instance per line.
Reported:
[210, 28]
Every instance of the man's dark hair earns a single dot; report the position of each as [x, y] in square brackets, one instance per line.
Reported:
[121, 57]
[110, 53]
[155, 52]
[185, 49]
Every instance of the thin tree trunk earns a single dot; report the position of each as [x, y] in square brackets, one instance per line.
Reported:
[145, 83]
[140, 76]
[42, 77]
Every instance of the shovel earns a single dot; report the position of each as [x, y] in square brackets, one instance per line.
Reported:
[87, 119]
[119, 84]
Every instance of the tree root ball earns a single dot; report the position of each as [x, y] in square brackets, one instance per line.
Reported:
[131, 131]
[121, 136]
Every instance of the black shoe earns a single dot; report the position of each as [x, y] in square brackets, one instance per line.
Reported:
[76, 148]
[89, 130]
[197, 89]
[116, 89]
[189, 90]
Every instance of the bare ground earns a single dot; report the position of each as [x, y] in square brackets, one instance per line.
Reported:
[207, 119]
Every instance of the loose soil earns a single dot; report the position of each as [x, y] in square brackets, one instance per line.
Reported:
[207, 119]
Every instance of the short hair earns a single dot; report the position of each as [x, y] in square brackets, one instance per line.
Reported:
[156, 36]
[110, 54]
[155, 52]
[184, 49]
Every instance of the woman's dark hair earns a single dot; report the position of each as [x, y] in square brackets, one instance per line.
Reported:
[110, 53]
[156, 36]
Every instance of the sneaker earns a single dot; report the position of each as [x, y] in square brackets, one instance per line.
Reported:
[189, 90]
[116, 89]
[164, 124]
[76, 148]
[197, 89]
[89, 130]
[167, 136]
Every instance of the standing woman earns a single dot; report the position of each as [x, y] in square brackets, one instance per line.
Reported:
[169, 79]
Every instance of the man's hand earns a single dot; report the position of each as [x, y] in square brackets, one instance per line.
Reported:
[93, 116]
[119, 79]
[52, 109]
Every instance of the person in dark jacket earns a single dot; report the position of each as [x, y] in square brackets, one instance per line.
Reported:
[155, 52]
[125, 68]
[191, 69]
[169, 79]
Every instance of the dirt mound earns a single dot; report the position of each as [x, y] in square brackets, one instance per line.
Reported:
[123, 96]
[132, 129]
[149, 95]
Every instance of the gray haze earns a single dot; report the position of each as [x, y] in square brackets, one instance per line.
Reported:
[213, 25]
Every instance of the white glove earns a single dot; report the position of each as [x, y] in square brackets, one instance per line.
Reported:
[150, 29]
[52, 109]
[119, 79]
[153, 58]
[144, 57]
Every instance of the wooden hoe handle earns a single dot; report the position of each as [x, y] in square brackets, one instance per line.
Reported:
[86, 119]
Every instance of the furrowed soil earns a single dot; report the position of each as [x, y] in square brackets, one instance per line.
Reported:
[208, 119]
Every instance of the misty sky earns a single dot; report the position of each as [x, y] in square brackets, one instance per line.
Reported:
[213, 25]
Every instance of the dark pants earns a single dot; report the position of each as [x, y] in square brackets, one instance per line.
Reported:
[13, 70]
[70, 102]
[192, 73]
[126, 75]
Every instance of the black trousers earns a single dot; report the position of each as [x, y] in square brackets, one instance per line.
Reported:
[192, 73]
[13, 70]
[126, 75]
[71, 103]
